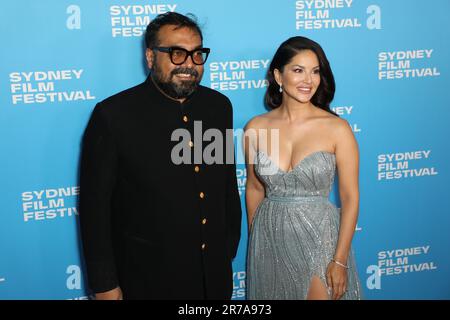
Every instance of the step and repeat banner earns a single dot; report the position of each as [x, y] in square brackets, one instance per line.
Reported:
[390, 60]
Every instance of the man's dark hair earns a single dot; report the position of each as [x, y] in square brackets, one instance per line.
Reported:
[169, 18]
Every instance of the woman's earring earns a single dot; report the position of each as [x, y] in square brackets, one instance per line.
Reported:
[281, 88]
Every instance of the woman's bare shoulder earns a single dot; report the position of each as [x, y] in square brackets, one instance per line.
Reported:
[340, 129]
[331, 120]
[260, 121]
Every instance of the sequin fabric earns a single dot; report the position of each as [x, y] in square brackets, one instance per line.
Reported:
[295, 229]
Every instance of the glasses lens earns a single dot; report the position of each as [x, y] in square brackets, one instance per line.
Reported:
[199, 56]
[178, 56]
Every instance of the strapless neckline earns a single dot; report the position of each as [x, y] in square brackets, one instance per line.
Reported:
[299, 163]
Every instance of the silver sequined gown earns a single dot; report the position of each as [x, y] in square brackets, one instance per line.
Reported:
[295, 229]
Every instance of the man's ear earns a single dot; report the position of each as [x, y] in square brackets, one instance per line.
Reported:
[149, 55]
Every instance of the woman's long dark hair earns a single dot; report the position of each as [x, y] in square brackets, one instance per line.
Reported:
[287, 50]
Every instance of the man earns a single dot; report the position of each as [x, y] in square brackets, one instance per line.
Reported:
[151, 228]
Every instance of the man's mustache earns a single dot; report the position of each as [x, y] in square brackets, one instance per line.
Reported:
[184, 70]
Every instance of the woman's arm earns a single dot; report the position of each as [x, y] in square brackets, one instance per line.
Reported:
[254, 189]
[347, 161]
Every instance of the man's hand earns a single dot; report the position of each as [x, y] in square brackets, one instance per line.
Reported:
[114, 294]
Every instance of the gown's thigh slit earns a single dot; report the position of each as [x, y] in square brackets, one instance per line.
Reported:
[317, 289]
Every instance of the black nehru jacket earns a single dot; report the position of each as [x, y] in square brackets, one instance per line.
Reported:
[156, 229]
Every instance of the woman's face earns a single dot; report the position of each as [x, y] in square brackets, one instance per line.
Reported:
[301, 77]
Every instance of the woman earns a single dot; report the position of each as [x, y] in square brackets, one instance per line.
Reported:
[300, 244]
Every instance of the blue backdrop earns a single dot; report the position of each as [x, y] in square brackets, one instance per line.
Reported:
[389, 58]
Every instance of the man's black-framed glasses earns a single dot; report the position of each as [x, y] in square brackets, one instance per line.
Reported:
[179, 55]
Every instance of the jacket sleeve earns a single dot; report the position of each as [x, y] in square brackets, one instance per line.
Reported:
[233, 202]
[98, 165]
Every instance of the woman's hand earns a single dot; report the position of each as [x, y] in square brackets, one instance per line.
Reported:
[336, 280]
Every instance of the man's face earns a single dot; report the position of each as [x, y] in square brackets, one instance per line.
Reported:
[177, 81]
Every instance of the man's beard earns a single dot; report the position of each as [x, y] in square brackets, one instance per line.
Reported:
[180, 90]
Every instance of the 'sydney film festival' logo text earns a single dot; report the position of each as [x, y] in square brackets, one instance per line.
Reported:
[132, 20]
[334, 14]
[39, 87]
